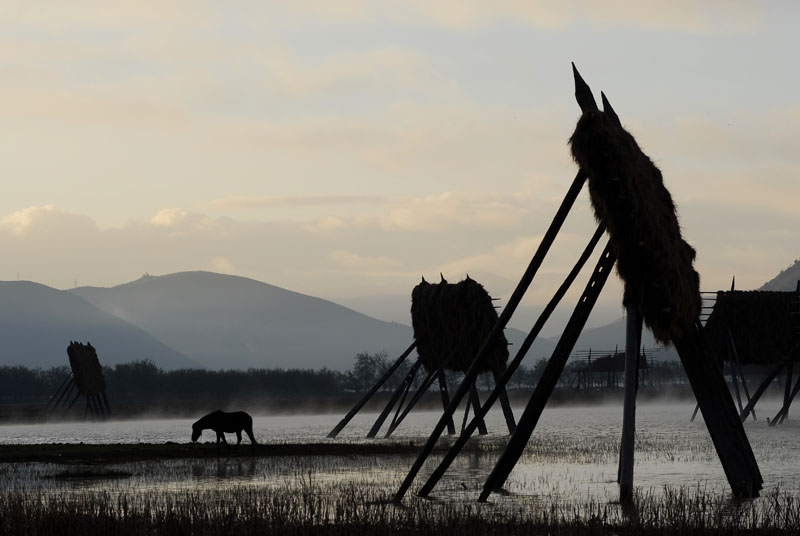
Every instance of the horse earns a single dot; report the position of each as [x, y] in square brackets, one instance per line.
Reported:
[222, 422]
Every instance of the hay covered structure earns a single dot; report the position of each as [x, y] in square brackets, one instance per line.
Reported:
[451, 321]
[761, 323]
[629, 197]
[85, 379]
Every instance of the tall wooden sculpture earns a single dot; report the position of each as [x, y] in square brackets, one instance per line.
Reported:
[661, 290]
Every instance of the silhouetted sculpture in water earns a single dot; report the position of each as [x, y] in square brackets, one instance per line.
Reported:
[222, 423]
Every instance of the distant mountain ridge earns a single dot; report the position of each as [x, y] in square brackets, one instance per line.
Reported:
[786, 280]
[225, 321]
[37, 323]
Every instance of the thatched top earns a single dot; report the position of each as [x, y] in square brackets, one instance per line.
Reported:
[86, 369]
[630, 199]
[454, 320]
[761, 323]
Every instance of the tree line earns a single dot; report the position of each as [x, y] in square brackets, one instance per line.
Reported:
[144, 381]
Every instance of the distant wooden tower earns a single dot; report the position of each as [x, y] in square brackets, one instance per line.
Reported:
[758, 328]
[86, 380]
[451, 322]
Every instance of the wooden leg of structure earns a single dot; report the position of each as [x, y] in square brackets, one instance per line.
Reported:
[719, 413]
[504, 402]
[787, 390]
[395, 397]
[451, 427]
[767, 381]
[632, 337]
[781, 415]
[476, 407]
[398, 417]
[550, 375]
[426, 383]
[347, 418]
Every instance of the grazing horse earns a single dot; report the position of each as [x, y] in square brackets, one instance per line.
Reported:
[222, 422]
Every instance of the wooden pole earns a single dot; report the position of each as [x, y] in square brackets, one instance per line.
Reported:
[785, 408]
[719, 413]
[513, 365]
[413, 402]
[445, 394]
[530, 417]
[402, 387]
[508, 311]
[767, 380]
[360, 404]
[62, 386]
[508, 414]
[734, 354]
[787, 390]
[632, 335]
[476, 407]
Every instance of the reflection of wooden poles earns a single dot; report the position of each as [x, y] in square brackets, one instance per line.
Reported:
[552, 372]
[512, 366]
[511, 306]
[347, 418]
[633, 333]
[404, 386]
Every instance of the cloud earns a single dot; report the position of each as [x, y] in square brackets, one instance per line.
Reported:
[261, 201]
[354, 260]
[45, 220]
[464, 15]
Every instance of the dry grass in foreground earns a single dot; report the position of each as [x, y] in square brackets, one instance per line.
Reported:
[353, 510]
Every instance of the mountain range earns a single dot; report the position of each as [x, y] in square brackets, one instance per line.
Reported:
[216, 321]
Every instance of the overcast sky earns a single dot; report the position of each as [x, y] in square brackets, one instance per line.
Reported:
[344, 149]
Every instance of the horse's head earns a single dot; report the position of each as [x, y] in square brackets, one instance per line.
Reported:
[196, 431]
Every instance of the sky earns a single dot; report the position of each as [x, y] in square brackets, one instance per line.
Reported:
[345, 149]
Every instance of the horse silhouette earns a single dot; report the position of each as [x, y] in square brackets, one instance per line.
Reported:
[222, 423]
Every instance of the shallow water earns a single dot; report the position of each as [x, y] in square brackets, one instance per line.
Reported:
[572, 456]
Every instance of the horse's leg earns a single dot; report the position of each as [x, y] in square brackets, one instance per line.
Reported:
[238, 437]
[249, 431]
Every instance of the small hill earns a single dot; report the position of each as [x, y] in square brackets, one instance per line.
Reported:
[224, 321]
[786, 280]
[37, 323]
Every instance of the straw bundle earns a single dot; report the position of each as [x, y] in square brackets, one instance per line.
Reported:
[454, 320]
[86, 369]
[629, 198]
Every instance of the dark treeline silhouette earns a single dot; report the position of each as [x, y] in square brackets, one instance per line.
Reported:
[143, 381]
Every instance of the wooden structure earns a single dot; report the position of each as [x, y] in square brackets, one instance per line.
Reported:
[86, 380]
[450, 323]
[661, 290]
[606, 370]
[757, 328]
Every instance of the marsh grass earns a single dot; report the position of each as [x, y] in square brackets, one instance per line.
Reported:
[309, 508]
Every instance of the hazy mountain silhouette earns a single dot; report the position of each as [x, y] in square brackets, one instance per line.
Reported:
[224, 321]
[37, 323]
[786, 280]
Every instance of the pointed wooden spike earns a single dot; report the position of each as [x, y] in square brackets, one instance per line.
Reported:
[443, 279]
[608, 110]
[733, 283]
[583, 93]
[423, 279]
